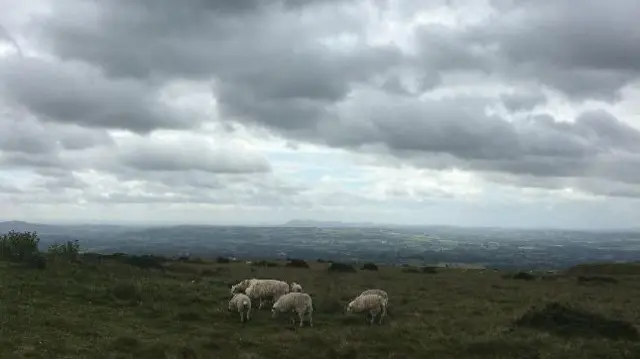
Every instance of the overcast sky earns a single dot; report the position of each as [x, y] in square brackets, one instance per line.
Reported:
[497, 112]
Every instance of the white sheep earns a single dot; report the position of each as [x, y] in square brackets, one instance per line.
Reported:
[373, 303]
[300, 303]
[242, 285]
[242, 304]
[295, 287]
[379, 292]
[267, 289]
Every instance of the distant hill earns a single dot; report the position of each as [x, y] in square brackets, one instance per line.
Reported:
[328, 224]
[22, 226]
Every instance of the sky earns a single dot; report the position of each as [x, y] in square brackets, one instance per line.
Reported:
[472, 113]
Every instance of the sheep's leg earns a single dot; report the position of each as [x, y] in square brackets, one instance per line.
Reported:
[384, 312]
[248, 314]
[310, 316]
[374, 313]
[241, 317]
[260, 303]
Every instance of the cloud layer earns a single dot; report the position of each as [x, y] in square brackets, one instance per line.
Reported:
[243, 111]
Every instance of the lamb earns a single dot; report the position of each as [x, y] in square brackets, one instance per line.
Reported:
[301, 303]
[267, 288]
[242, 304]
[295, 287]
[379, 292]
[374, 303]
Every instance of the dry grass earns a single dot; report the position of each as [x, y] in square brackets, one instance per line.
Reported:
[114, 310]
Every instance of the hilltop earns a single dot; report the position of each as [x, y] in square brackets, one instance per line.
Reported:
[121, 306]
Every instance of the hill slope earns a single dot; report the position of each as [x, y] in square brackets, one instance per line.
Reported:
[107, 309]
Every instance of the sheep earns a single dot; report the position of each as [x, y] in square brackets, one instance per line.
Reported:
[267, 288]
[295, 287]
[374, 303]
[241, 303]
[301, 303]
[379, 292]
[242, 285]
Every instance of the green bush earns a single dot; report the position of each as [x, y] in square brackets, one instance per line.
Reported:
[18, 246]
[68, 251]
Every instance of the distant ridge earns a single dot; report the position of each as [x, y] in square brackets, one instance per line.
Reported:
[22, 226]
[328, 224]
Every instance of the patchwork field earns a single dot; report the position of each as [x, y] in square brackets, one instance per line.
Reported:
[106, 308]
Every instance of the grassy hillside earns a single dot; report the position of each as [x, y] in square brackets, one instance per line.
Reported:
[109, 309]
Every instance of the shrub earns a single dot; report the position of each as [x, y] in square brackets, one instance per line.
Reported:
[127, 291]
[68, 251]
[263, 263]
[576, 322]
[37, 261]
[19, 246]
[222, 260]
[596, 279]
[410, 270]
[341, 267]
[524, 276]
[430, 269]
[369, 266]
[144, 261]
[297, 263]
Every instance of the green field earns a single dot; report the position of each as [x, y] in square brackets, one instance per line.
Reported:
[109, 309]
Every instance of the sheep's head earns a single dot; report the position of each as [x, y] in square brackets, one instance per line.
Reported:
[349, 307]
[274, 310]
[231, 305]
[234, 289]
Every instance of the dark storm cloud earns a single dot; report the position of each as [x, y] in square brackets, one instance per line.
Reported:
[269, 68]
[456, 133]
[72, 93]
[268, 65]
[522, 101]
[585, 51]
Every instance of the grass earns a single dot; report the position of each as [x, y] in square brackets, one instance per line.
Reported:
[110, 309]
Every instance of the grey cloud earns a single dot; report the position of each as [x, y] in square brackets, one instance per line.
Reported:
[265, 64]
[25, 135]
[588, 53]
[5, 35]
[9, 160]
[270, 69]
[597, 186]
[9, 189]
[518, 102]
[156, 156]
[73, 93]
[456, 133]
[234, 189]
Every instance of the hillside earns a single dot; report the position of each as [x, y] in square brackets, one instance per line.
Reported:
[104, 308]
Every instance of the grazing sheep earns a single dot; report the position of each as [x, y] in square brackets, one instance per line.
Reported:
[301, 303]
[295, 287]
[373, 303]
[242, 285]
[242, 304]
[267, 289]
[379, 292]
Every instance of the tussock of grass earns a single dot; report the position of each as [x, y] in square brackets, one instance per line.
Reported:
[570, 321]
[106, 307]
